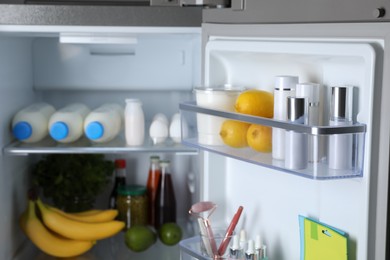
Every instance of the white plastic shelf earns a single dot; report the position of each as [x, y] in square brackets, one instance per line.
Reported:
[83, 146]
[314, 170]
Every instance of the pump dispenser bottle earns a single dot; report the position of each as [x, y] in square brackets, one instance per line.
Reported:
[340, 145]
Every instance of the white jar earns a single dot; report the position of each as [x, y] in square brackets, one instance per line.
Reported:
[134, 122]
[66, 125]
[29, 125]
[104, 123]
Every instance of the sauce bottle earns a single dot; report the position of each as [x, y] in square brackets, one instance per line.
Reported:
[120, 180]
[165, 204]
[152, 185]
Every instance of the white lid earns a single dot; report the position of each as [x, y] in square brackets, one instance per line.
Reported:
[251, 247]
[286, 82]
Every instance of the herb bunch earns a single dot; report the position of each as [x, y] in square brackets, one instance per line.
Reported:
[73, 181]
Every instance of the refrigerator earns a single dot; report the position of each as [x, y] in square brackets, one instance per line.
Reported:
[96, 53]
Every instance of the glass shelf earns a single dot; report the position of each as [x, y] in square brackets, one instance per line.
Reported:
[318, 138]
[83, 145]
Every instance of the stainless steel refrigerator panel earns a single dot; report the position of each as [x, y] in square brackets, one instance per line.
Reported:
[100, 15]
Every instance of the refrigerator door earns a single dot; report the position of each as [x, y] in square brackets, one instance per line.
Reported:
[273, 200]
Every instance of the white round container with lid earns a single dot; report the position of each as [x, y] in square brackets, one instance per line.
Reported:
[66, 125]
[29, 125]
[218, 98]
[104, 123]
[134, 122]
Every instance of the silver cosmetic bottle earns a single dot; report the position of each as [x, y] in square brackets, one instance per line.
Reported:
[284, 87]
[340, 145]
[315, 142]
[296, 149]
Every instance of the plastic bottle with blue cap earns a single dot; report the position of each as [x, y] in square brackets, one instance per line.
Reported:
[29, 125]
[66, 124]
[104, 123]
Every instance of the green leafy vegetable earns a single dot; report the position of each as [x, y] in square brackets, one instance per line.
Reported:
[73, 181]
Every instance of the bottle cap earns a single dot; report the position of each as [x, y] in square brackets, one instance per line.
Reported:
[155, 158]
[94, 130]
[251, 247]
[309, 90]
[242, 236]
[286, 82]
[236, 243]
[164, 163]
[341, 103]
[120, 163]
[59, 130]
[131, 190]
[22, 130]
[296, 109]
[258, 242]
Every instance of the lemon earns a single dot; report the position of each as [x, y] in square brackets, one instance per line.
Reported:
[170, 233]
[256, 103]
[260, 138]
[139, 238]
[233, 133]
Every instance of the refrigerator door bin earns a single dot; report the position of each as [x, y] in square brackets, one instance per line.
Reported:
[314, 170]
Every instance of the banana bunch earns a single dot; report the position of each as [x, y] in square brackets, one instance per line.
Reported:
[62, 234]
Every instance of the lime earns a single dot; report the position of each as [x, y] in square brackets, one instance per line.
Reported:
[139, 238]
[170, 233]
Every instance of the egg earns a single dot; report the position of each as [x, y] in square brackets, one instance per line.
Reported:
[162, 117]
[158, 131]
[176, 127]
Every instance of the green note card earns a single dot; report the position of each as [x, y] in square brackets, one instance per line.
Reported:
[322, 242]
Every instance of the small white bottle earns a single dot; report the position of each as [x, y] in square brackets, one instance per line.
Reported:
[312, 92]
[29, 125]
[340, 145]
[66, 124]
[296, 156]
[134, 122]
[284, 87]
[104, 123]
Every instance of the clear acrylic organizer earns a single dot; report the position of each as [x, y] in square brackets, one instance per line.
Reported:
[318, 137]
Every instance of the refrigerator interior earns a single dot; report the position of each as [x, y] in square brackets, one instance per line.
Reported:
[273, 199]
[94, 66]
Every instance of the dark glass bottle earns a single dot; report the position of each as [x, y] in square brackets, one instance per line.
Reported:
[152, 185]
[165, 204]
[120, 179]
